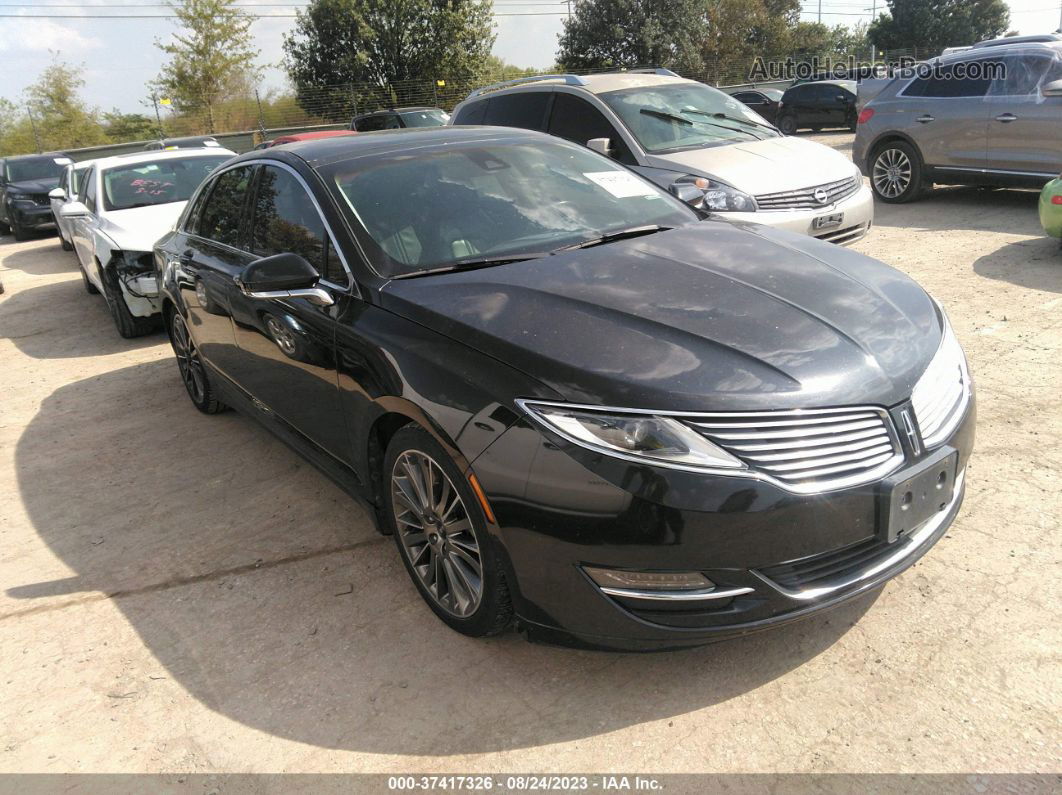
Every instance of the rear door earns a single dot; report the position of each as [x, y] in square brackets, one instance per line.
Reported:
[287, 346]
[945, 113]
[210, 255]
[1025, 127]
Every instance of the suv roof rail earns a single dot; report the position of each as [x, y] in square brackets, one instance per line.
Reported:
[651, 70]
[569, 80]
[1039, 38]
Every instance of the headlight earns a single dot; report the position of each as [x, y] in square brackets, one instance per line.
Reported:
[720, 197]
[939, 397]
[21, 199]
[639, 437]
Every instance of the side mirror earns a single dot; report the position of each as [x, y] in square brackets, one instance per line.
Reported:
[687, 192]
[283, 276]
[1052, 89]
[601, 145]
[57, 193]
[73, 209]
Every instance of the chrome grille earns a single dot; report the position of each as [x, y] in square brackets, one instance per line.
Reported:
[804, 198]
[40, 198]
[941, 394]
[809, 450]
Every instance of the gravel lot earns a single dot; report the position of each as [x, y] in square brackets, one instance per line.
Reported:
[182, 593]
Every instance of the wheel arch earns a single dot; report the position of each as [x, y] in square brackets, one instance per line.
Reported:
[890, 137]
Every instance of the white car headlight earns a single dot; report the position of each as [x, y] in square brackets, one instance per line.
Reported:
[940, 396]
[640, 437]
[720, 197]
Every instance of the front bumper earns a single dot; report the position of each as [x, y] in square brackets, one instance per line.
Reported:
[775, 556]
[857, 211]
[35, 217]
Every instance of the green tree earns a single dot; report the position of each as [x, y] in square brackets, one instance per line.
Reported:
[121, 127]
[740, 30]
[625, 33]
[16, 132]
[212, 58]
[63, 120]
[382, 43]
[936, 24]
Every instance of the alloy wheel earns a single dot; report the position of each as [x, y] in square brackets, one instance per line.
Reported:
[188, 361]
[892, 173]
[436, 534]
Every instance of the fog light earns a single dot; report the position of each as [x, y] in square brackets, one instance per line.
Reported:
[649, 580]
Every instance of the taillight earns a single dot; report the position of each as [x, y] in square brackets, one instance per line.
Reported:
[865, 115]
[1056, 200]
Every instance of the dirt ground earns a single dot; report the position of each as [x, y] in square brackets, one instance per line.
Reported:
[181, 593]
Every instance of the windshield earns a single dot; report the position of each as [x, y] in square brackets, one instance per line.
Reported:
[156, 182]
[435, 209]
[36, 168]
[674, 116]
[425, 118]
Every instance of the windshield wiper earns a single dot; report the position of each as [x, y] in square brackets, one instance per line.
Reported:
[609, 237]
[737, 119]
[471, 264]
[659, 114]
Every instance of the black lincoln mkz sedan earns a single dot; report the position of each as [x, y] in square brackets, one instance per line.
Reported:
[577, 403]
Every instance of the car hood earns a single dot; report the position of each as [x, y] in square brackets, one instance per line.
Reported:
[757, 167]
[712, 316]
[33, 185]
[138, 228]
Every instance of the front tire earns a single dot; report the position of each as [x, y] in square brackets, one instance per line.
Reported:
[896, 173]
[442, 536]
[66, 244]
[128, 324]
[190, 365]
[19, 232]
[90, 288]
[788, 125]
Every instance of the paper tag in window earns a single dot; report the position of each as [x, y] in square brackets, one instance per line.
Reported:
[621, 184]
[62, 161]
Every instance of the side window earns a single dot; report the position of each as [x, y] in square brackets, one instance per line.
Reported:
[472, 113]
[1023, 74]
[392, 122]
[947, 84]
[89, 198]
[576, 120]
[371, 123]
[526, 109]
[287, 221]
[749, 98]
[220, 212]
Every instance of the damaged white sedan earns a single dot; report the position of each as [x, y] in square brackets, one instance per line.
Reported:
[126, 203]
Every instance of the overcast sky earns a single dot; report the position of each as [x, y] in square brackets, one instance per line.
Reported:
[119, 55]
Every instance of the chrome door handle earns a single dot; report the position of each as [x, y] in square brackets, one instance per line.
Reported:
[1006, 117]
[925, 118]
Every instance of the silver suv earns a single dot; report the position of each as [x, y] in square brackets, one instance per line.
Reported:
[963, 125]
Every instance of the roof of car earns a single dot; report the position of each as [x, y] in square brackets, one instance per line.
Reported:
[310, 136]
[153, 156]
[324, 151]
[851, 85]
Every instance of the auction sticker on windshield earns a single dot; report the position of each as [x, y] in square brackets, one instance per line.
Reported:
[620, 184]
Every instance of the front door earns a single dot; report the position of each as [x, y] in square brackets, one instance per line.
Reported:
[1025, 127]
[81, 230]
[210, 255]
[287, 345]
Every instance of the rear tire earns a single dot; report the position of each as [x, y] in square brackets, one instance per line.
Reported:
[4, 229]
[896, 172]
[128, 324]
[66, 244]
[18, 231]
[442, 537]
[190, 364]
[788, 125]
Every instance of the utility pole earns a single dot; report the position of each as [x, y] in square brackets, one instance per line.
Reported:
[33, 124]
[158, 116]
[569, 4]
[820, 12]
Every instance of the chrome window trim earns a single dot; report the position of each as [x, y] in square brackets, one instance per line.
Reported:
[351, 286]
[888, 466]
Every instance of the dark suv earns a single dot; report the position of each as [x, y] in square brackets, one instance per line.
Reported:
[24, 185]
[817, 105]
